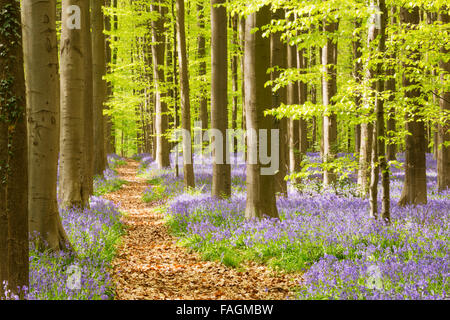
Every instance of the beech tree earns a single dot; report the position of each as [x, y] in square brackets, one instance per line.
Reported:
[73, 85]
[329, 89]
[260, 188]
[42, 84]
[14, 261]
[99, 85]
[221, 181]
[158, 54]
[443, 156]
[188, 168]
[415, 184]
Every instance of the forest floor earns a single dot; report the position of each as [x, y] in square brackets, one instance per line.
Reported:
[151, 265]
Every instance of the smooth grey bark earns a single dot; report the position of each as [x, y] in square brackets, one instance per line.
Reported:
[329, 89]
[158, 53]
[99, 85]
[188, 168]
[260, 188]
[42, 86]
[443, 153]
[415, 183]
[221, 180]
[279, 59]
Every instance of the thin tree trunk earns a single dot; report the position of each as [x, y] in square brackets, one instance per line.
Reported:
[357, 75]
[88, 151]
[443, 153]
[292, 99]
[99, 85]
[279, 59]
[158, 53]
[391, 148]
[188, 168]
[201, 51]
[234, 77]
[329, 87]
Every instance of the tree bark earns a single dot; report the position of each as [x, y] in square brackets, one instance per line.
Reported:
[357, 75]
[99, 85]
[260, 188]
[42, 84]
[443, 153]
[88, 109]
[279, 59]
[201, 51]
[13, 136]
[292, 99]
[188, 168]
[415, 184]
[221, 181]
[391, 148]
[329, 89]
[158, 52]
[73, 88]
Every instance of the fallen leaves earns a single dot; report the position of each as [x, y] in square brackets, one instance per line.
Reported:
[150, 265]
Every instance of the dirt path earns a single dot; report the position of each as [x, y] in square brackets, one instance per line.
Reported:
[150, 265]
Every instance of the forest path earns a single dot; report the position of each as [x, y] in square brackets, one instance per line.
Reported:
[150, 265]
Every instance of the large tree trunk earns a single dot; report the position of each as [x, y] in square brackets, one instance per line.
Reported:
[279, 59]
[329, 89]
[158, 52]
[260, 188]
[73, 87]
[201, 51]
[99, 88]
[443, 153]
[41, 66]
[188, 168]
[13, 140]
[415, 185]
[221, 181]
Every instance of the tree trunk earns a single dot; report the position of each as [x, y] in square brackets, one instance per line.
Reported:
[329, 87]
[109, 136]
[188, 168]
[201, 51]
[88, 109]
[279, 59]
[234, 77]
[158, 52]
[357, 75]
[391, 148]
[292, 99]
[13, 140]
[41, 66]
[415, 185]
[221, 181]
[99, 85]
[73, 87]
[260, 188]
[443, 153]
